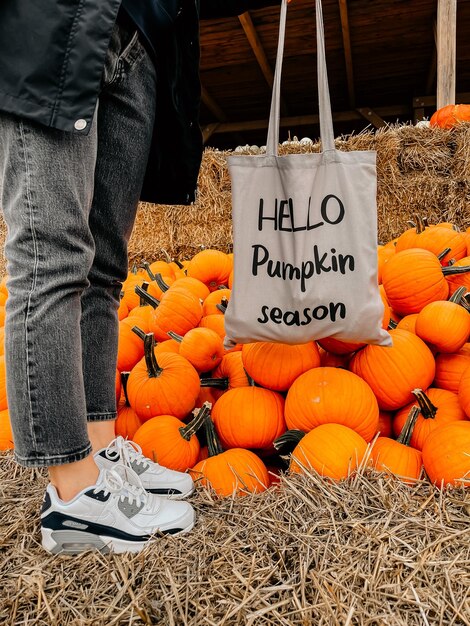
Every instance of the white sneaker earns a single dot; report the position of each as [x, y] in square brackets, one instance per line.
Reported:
[113, 515]
[155, 478]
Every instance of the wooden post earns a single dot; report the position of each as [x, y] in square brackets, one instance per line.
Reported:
[446, 51]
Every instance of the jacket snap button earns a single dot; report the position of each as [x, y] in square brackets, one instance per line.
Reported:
[80, 124]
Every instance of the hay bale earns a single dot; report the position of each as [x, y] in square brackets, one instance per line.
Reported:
[208, 222]
[418, 169]
[155, 230]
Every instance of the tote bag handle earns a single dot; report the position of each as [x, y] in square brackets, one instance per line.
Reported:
[326, 120]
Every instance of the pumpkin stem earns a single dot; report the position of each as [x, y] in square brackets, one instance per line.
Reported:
[392, 324]
[161, 283]
[216, 383]
[145, 286]
[165, 255]
[144, 265]
[175, 336]
[458, 295]
[153, 369]
[124, 379]
[421, 223]
[222, 306]
[134, 269]
[428, 410]
[405, 435]
[146, 296]
[442, 254]
[195, 424]
[213, 443]
[451, 269]
[288, 441]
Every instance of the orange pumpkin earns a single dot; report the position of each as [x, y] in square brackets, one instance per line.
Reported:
[214, 300]
[135, 278]
[336, 346]
[215, 322]
[170, 442]
[3, 385]
[249, 417]
[444, 324]
[383, 255]
[277, 365]
[212, 267]
[127, 421]
[202, 347]
[396, 456]
[229, 374]
[450, 115]
[130, 347]
[436, 239]
[6, 434]
[167, 387]
[195, 286]
[438, 406]
[332, 395]
[464, 392]
[385, 428]
[414, 277]
[445, 455]
[233, 472]
[393, 372]
[459, 280]
[408, 322]
[332, 450]
[330, 359]
[450, 367]
[179, 311]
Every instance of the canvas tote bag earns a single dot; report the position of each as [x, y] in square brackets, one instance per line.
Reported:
[304, 235]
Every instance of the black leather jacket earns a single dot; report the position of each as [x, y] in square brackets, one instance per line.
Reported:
[51, 62]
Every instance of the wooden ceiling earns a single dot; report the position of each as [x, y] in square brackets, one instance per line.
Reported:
[381, 58]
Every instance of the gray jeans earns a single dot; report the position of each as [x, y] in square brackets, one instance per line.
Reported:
[69, 202]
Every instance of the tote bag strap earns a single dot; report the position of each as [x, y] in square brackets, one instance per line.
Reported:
[326, 119]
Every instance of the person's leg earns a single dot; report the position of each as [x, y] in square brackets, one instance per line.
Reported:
[47, 189]
[125, 121]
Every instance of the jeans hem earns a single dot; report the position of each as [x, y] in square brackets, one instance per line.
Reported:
[101, 417]
[49, 460]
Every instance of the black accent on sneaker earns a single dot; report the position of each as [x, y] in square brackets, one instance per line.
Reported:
[46, 503]
[60, 521]
[161, 491]
[101, 495]
[114, 459]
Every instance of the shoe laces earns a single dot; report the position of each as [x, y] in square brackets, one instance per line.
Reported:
[128, 451]
[115, 484]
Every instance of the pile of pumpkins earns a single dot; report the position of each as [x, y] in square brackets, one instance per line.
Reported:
[222, 415]
[326, 406]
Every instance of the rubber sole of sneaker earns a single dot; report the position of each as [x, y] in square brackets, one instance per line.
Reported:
[75, 541]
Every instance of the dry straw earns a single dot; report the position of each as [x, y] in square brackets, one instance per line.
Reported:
[369, 551]
[418, 169]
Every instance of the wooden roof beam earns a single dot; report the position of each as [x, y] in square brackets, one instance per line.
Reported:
[217, 112]
[343, 10]
[212, 105]
[446, 51]
[255, 43]
[310, 120]
[372, 116]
